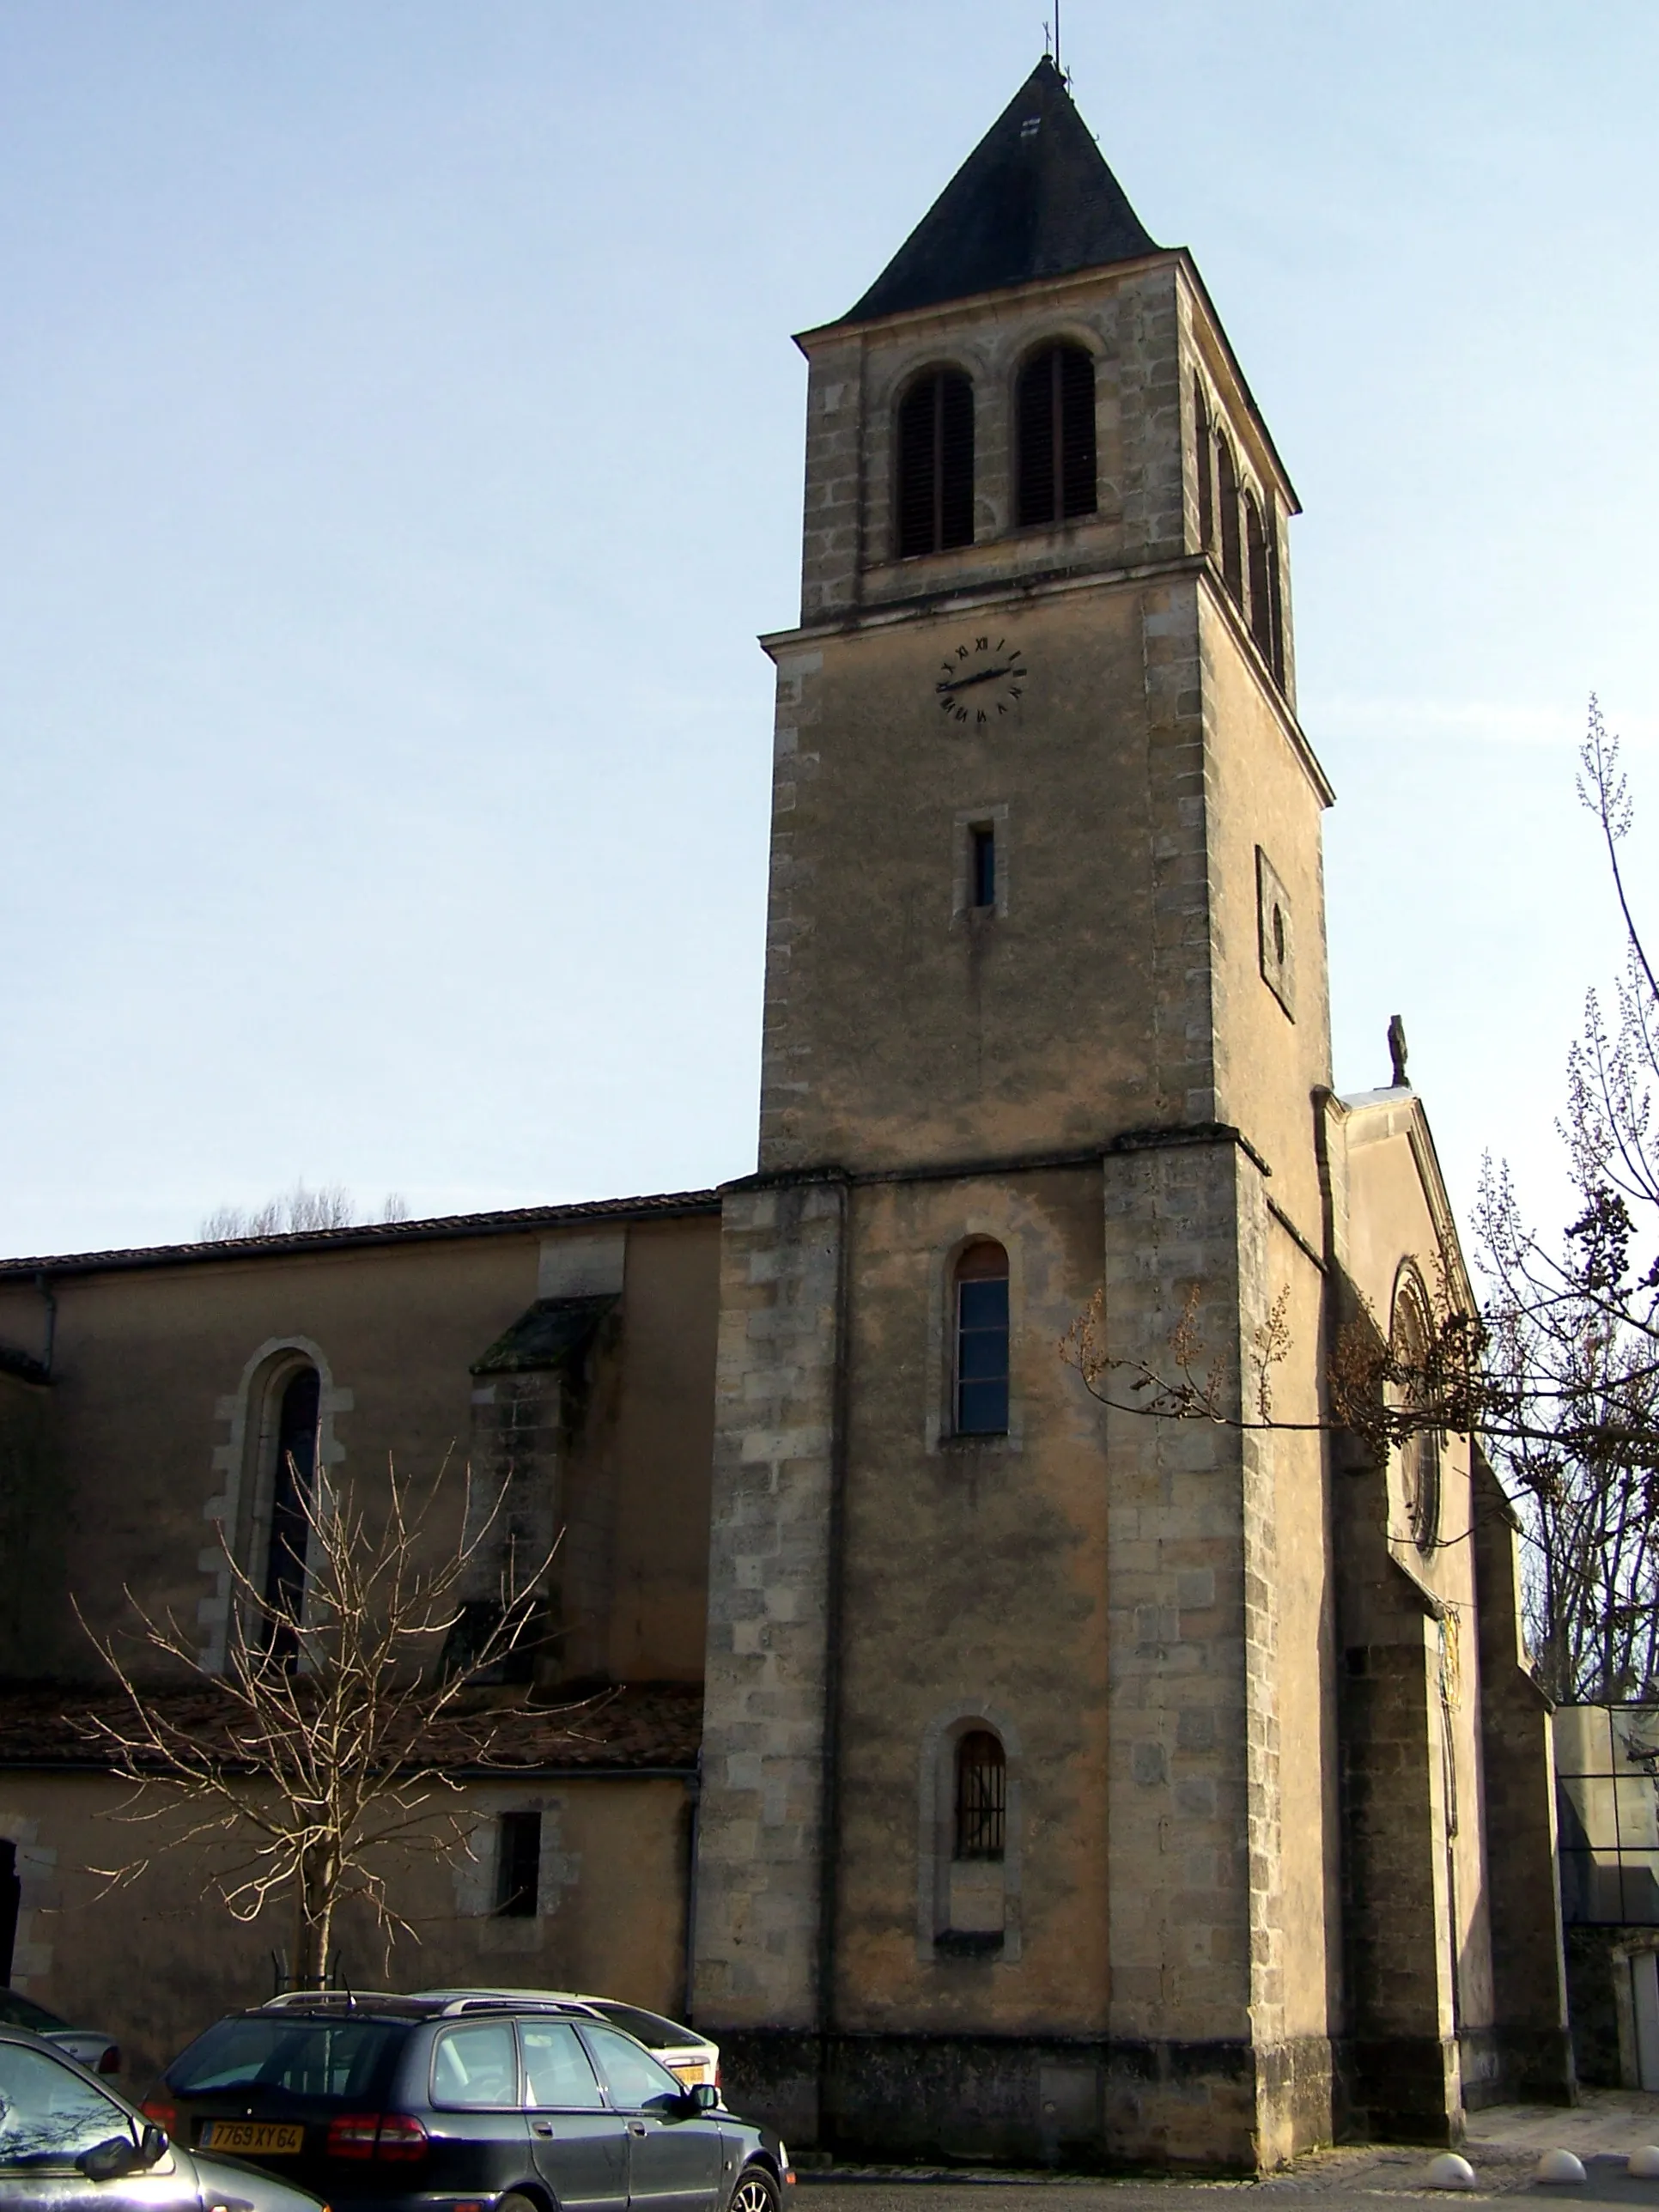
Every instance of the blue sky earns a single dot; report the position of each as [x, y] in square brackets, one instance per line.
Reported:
[400, 439]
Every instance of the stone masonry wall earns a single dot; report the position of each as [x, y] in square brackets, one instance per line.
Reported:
[760, 1846]
[1196, 1941]
[1523, 1886]
[785, 1058]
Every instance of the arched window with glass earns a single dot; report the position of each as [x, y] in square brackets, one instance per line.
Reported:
[293, 1489]
[1054, 410]
[981, 1340]
[935, 486]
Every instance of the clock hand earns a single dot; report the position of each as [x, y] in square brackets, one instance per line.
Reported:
[983, 675]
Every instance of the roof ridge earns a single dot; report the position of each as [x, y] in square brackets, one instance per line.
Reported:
[361, 1232]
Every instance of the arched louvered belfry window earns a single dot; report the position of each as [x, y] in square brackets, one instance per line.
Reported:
[1054, 406]
[1261, 605]
[293, 1481]
[936, 463]
[982, 1808]
[1202, 456]
[981, 1362]
[1226, 496]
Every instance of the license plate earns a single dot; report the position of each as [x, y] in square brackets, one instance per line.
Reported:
[251, 2136]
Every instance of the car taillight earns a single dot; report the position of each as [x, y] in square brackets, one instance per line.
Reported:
[401, 2136]
[164, 2115]
[351, 2135]
[109, 2060]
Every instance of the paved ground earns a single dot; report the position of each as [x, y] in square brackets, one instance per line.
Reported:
[1503, 2148]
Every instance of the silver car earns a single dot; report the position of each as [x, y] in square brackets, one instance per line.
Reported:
[690, 2057]
[90, 2044]
[69, 2143]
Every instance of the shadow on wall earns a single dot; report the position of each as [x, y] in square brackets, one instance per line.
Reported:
[32, 1531]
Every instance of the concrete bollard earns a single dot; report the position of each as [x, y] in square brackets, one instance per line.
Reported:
[1559, 2165]
[1450, 2172]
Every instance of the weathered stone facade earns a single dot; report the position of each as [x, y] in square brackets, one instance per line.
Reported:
[1076, 1786]
[1234, 1699]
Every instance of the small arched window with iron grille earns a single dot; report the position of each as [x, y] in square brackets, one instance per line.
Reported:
[981, 1811]
[1055, 410]
[982, 1347]
[936, 463]
[292, 1491]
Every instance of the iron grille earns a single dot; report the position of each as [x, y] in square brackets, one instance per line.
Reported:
[981, 1797]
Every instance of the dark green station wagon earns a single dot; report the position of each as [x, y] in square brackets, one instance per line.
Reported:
[470, 2105]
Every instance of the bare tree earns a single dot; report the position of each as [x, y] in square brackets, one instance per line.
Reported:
[1386, 1391]
[1574, 1326]
[292, 1210]
[346, 1701]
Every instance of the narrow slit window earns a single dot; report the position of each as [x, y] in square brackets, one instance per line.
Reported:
[1055, 409]
[982, 864]
[1201, 457]
[1262, 611]
[982, 1823]
[982, 1392]
[936, 464]
[1227, 491]
[519, 1866]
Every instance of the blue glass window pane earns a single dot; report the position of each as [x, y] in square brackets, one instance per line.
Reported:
[984, 1355]
[1576, 1901]
[985, 1304]
[982, 1409]
[1640, 1903]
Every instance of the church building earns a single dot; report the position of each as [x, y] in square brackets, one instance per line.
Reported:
[994, 1773]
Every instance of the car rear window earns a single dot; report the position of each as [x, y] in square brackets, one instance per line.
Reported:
[343, 2059]
[649, 2028]
[19, 2011]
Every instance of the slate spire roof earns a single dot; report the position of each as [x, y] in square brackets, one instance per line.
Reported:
[1028, 202]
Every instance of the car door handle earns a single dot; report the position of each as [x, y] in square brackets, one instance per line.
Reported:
[636, 2127]
[541, 2127]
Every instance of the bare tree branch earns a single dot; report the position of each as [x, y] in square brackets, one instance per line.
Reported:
[346, 1701]
[1558, 1374]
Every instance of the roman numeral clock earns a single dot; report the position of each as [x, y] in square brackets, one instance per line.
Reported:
[980, 682]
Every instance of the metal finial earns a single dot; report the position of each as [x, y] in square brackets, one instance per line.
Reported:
[1047, 41]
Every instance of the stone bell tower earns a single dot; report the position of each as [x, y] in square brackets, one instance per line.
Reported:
[1019, 1825]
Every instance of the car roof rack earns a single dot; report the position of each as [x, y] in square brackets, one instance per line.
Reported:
[331, 2000]
[508, 2004]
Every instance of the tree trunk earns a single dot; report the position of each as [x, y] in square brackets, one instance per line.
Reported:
[314, 1900]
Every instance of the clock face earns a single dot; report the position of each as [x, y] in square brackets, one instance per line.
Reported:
[981, 681]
